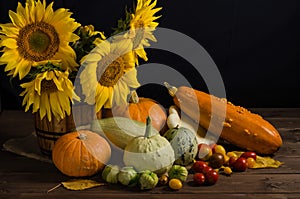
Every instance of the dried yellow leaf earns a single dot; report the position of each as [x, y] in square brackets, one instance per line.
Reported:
[266, 162]
[81, 184]
[262, 162]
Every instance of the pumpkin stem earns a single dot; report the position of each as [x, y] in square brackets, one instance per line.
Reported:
[134, 98]
[172, 89]
[82, 136]
[148, 127]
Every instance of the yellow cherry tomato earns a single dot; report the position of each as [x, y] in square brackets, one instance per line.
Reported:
[231, 154]
[227, 170]
[220, 149]
[175, 184]
[250, 162]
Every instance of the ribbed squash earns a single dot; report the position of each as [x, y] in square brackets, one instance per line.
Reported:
[81, 153]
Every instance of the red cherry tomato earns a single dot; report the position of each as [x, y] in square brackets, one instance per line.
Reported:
[232, 160]
[240, 164]
[211, 177]
[198, 166]
[249, 154]
[207, 170]
[199, 178]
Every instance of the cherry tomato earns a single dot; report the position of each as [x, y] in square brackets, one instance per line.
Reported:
[199, 178]
[230, 154]
[216, 160]
[198, 166]
[220, 149]
[207, 170]
[204, 152]
[163, 180]
[232, 160]
[250, 162]
[226, 160]
[175, 184]
[227, 170]
[211, 177]
[240, 164]
[249, 154]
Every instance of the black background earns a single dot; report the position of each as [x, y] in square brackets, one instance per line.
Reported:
[254, 43]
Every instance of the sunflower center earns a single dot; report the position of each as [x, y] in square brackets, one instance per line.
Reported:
[38, 41]
[113, 72]
[48, 86]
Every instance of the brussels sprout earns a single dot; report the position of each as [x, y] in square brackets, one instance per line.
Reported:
[110, 174]
[148, 180]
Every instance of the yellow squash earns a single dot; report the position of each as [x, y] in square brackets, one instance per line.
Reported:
[239, 126]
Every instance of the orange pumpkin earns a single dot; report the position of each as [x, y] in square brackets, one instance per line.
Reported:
[81, 153]
[139, 109]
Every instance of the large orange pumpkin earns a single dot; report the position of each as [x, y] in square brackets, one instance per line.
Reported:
[139, 109]
[81, 153]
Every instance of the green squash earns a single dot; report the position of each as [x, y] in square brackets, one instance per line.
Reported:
[184, 143]
[153, 153]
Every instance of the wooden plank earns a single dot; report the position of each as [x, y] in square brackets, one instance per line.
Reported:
[174, 195]
[238, 183]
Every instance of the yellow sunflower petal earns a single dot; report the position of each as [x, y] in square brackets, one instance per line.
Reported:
[56, 106]
[10, 43]
[40, 11]
[48, 12]
[16, 19]
[9, 30]
[120, 93]
[130, 78]
[64, 102]
[36, 104]
[102, 98]
[42, 109]
[23, 69]
[22, 13]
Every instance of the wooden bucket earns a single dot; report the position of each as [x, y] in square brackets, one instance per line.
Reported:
[48, 132]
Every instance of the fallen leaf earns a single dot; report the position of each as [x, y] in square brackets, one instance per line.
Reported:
[81, 184]
[262, 162]
[266, 162]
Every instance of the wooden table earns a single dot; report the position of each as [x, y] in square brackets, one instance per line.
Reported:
[22, 177]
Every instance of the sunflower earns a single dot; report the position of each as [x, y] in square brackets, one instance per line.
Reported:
[109, 73]
[142, 25]
[37, 33]
[50, 93]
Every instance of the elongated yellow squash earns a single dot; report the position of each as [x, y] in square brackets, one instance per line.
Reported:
[120, 130]
[238, 125]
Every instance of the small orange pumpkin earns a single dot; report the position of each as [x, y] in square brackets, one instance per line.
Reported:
[139, 109]
[81, 153]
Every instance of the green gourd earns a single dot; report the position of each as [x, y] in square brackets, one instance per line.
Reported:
[148, 152]
[184, 143]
